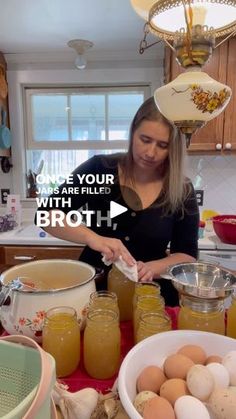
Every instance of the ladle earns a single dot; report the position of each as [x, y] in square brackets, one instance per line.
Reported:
[15, 284]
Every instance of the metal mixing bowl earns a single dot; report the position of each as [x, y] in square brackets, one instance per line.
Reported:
[203, 280]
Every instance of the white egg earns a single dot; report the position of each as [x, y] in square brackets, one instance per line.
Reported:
[200, 382]
[220, 374]
[187, 407]
[229, 362]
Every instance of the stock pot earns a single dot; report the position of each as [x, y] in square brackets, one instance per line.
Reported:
[54, 282]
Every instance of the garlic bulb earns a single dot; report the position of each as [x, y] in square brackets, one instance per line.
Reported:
[75, 405]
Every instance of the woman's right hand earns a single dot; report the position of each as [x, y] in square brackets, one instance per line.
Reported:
[111, 248]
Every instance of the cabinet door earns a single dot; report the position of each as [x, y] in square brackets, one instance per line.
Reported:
[230, 112]
[207, 138]
[22, 254]
[2, 257]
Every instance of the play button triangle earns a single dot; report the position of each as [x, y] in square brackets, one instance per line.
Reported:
[116, 209]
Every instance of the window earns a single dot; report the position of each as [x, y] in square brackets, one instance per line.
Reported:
[66, 126]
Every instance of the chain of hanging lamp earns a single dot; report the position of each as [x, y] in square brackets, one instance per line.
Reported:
[193, 46]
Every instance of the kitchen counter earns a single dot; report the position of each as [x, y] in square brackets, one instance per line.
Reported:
[29, 234]
[222, 246]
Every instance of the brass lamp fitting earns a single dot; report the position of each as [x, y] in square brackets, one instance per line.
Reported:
[196, 49]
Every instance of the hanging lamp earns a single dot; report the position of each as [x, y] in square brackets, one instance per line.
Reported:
[190, 28]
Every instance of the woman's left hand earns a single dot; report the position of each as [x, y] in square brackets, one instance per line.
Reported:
[145, 272]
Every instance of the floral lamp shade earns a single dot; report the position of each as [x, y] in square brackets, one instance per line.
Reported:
[190, 28]
[193, 94]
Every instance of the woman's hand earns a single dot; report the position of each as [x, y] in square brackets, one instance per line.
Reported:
[111, 248]
[145, 272]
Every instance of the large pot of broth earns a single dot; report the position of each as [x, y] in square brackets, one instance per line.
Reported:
[49, 283]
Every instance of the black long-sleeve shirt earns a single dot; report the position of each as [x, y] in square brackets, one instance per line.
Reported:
[146, 232]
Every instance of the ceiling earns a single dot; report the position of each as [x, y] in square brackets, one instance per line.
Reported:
[42, 28]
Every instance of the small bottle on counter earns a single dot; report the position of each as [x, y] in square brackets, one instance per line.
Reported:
[61, 338]
[231, 318]
[123, 287]
[102, 344]
[201, 314]
[152, 323]
[201, 229]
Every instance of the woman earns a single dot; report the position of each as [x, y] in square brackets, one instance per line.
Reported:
[162, 207]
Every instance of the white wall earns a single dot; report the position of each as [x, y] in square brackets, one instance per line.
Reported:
[17, 78]
[216, 175]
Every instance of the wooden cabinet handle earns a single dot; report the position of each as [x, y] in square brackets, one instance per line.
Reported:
[24, 257]
[218, 146]
[228, 146]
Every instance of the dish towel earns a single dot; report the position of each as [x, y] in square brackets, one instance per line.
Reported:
[130, 271]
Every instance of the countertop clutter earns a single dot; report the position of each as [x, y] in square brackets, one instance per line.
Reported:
[29, 234]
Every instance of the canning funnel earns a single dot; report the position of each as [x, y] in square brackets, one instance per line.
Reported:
[203, 280]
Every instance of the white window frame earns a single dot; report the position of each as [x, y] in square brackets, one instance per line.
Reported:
[106, 144]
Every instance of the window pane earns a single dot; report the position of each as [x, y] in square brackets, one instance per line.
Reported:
[88, 117]
[60, 162]
[121, 110]
[49, 117]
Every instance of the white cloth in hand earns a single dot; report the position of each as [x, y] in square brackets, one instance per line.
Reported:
[130, 271]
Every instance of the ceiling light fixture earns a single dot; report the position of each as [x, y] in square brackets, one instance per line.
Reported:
[80, 46]
[190, 28]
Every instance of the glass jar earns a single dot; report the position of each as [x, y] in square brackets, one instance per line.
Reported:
[201, 314]
[102, 344]
[103, 300]
[61, 338]
[152, 323]
[231, 318]
[124, 289]
[145, 288]
[147, 304]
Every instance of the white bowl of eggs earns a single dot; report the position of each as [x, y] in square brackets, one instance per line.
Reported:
[180, 374]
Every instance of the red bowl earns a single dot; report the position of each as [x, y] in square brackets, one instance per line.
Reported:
[225, 230]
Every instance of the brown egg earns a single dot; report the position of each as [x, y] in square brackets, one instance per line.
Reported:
[151, 378]
[213, 358]
[172, 389]
[158, 408]
[177, 366]
[194, 352]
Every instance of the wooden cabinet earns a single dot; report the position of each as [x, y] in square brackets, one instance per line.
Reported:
[13, 255]
[230, 112]
[219, 135]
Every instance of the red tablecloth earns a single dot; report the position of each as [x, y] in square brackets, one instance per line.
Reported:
[80, 379]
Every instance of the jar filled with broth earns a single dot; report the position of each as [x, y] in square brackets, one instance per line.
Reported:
[201, 314]
[103, 300]
[61, 338]
[102, 343]
[147, 304]
[152, 323]
[124, 289]
[231, 318]
[143, 289]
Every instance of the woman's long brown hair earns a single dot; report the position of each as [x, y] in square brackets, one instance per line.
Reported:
[175, 188]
